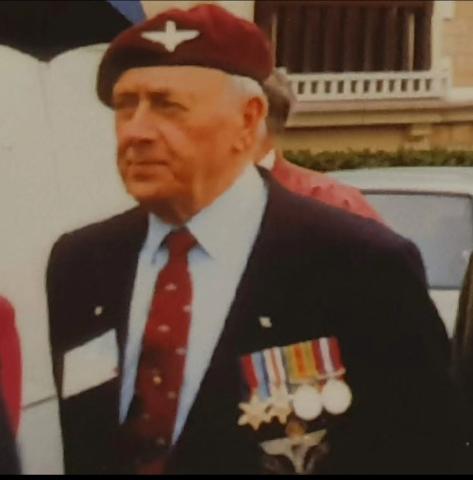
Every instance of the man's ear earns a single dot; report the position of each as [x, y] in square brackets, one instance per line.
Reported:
[255, 111]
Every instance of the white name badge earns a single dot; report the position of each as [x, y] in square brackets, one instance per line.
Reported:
[90, 364]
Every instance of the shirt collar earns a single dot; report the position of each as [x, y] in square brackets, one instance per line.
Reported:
[230, 221]
[268, 160]
[157, 231]
[226, 224]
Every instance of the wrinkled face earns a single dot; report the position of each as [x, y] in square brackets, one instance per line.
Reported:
[179, 135]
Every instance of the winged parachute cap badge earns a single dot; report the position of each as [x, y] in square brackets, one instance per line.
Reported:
[295, 448]
[171, 37]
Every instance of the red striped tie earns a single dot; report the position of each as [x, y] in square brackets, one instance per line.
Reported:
[161, 367]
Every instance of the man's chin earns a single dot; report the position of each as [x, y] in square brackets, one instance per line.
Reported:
[143, 193]
[154, 200]
[143, 196]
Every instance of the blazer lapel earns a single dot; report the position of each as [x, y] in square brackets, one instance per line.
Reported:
[117, 274]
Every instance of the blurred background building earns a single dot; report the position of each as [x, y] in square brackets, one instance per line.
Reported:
[382, 74]
[378, 74]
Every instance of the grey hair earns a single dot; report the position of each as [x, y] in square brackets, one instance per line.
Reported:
[247, 86]
[281, 101]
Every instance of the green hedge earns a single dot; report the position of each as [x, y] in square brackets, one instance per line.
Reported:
[327, 161]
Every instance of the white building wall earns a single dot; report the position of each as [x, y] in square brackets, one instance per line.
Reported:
[242, 8]
[57, 173]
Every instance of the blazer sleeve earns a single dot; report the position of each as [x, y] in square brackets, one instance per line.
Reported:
[409, 415]
[55, 280]
[440, 404]
[462, 341]
[432, 414]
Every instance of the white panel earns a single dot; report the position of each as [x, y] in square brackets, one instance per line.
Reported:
[446, 302]
[57, 172]
[155, 7]
[242, 8]
[84, 144]
[28, 193]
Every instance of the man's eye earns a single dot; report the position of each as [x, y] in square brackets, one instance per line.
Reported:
[165, 103]
[122, 104]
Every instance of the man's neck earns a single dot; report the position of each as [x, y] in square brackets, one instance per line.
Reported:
[179, 211]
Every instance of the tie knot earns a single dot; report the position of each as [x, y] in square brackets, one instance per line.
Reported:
[179, 242]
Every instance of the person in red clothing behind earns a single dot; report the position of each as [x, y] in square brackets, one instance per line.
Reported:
[295, 178]
[10, 363]
[10, 389]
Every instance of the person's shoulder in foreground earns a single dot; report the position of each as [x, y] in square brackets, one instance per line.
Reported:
[10, 362]
[9, 389]
[320, 186]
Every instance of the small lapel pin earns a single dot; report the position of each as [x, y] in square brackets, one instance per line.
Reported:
[98, 310]
[265, 322]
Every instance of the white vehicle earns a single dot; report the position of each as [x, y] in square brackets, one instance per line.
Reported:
[432, 206]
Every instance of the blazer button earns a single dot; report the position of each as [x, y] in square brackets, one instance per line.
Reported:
[162, 442]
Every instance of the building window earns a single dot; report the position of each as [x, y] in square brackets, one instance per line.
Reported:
[348, 35]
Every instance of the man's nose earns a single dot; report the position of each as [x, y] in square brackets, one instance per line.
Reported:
[141, 126]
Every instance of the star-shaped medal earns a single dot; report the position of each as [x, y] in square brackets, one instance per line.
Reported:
[280, 406]
[254, 412]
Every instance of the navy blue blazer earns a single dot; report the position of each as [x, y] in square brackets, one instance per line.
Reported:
[315, 271]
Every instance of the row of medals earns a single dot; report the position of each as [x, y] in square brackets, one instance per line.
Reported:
[306, 401]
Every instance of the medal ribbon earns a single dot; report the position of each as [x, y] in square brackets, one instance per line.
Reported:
[249, 373]
[275, 367]
[294, 364]
[327, 352]
[254, 371]
[301, 363]
[261, 374]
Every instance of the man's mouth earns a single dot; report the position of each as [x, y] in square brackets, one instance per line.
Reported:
[146, 169]
[146, 162]
[144, 165]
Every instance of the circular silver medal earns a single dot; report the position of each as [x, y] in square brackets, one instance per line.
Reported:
[336, 396]
[307, 402]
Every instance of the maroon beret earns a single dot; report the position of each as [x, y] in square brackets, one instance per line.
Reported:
[206, 36]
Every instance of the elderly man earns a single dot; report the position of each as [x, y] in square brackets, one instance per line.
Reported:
[298, 179]
[226, 325]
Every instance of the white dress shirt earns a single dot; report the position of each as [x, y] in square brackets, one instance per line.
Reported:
[268, 160]
[225, 232]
